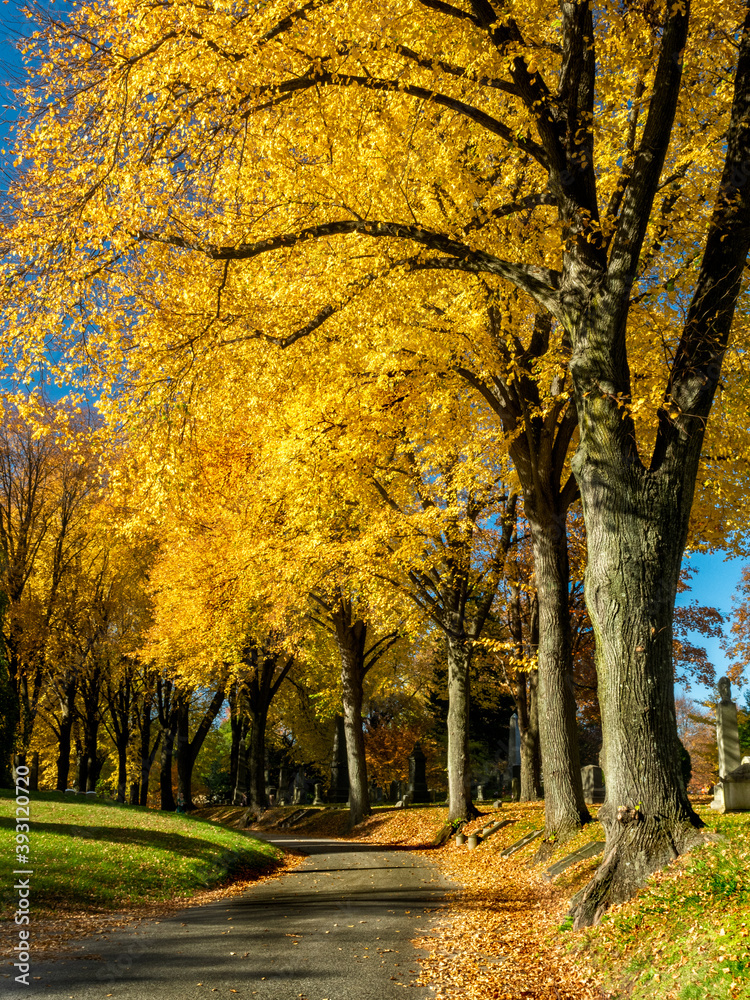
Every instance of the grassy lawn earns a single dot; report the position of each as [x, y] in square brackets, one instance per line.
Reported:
[686, 936]
[99, 856]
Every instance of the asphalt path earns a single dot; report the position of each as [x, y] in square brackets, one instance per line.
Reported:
[338, 927]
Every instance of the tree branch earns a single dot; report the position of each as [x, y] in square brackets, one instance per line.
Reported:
[649, 160]
[326, 78]
[539, 282]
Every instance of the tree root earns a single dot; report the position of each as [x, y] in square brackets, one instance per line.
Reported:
[637, 850]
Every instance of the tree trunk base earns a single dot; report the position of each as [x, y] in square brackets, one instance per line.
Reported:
[638, 849]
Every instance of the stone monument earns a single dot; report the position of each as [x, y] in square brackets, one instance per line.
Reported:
[592, 778]
[732, 794]
[339, 788]
[513, 770]
[418, 775]
[318, 800]
[299, 794]
[727, 735]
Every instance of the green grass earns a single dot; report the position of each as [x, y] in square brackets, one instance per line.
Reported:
[96, 855]
[686, 935]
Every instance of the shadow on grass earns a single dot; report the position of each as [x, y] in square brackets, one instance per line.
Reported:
[185, 845]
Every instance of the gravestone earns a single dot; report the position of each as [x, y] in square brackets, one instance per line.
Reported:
[418, 775]
[733, 791]
[378, 793]
[339, 787]
[589, 851]
[592, 778]
[393, 792]
[732, 794]
[318, 800]
[520, 844]
[727, 735]
[299, 792]
[480, 793]
[513, 770]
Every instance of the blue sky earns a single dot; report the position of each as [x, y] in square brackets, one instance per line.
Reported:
[713, 585]
[716, 578]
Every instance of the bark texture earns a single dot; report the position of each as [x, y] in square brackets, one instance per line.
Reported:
[351, 637]
[637, 516]
[539, 446]
[564, 807]
[342, 618]
[631, 583]
[459, 699]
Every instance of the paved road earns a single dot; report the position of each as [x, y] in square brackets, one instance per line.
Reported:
[335, 928]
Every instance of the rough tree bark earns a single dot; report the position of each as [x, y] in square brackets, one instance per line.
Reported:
[637, 515]
[459, 700]
[564, 807]
[351, 631]
[538, 446]
[350, 637]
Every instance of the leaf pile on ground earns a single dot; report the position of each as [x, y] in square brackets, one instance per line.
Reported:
[414, 827]
[501, 937]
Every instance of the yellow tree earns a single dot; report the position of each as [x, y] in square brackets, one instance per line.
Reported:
[257, 174]
[48, 486]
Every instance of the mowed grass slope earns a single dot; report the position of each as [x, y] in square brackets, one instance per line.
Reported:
[99, 856]
[686, 935]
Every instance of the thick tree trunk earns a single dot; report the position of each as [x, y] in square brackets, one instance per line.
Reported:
[236, 726]
[351, 641]
[256, 760]
[564, 808]
[635, 552]
[459, 770]
[67, 718]
[147, 758]
[241, 765]
[90, 756]
[166, 795]
[122, 769]
[528, 724]
[184, 757]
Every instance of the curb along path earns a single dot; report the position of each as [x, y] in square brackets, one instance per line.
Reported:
[337, 927]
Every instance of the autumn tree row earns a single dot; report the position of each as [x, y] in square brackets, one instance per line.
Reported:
[548, 204]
